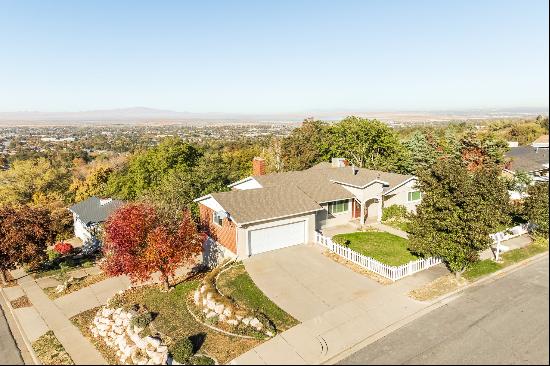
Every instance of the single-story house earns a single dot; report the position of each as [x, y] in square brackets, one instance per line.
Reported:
[89, 215]
[269, 211]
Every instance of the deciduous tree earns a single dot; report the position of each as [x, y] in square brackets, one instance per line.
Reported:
[536, 207]
[366, 143]
[138, 243]
[459, 210]
[25, 233]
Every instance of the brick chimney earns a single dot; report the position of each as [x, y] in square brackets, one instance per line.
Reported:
[258, 166]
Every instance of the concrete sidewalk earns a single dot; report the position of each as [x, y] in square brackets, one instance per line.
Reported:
[91, 296]
[76, 345]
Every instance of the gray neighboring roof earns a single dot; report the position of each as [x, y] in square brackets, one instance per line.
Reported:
[259, 204]
[527, 159]
[92, 211]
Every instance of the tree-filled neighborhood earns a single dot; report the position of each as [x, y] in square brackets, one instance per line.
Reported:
[274, 182]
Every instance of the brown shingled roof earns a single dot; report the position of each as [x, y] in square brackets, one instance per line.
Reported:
[259, 204]
[290, 193]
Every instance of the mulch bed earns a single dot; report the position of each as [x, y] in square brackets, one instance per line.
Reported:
[21, 302]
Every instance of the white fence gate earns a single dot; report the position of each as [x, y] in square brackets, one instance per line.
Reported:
[391, 272]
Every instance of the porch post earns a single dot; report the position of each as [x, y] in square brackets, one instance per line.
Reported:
[379, 209]
[362, 220]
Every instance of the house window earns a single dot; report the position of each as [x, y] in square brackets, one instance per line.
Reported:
[414, 196]
[217, 219]
[338, 207]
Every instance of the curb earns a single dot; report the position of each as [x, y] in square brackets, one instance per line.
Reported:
[20, 329]
[435, 304]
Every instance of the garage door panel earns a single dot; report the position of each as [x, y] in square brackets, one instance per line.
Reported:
[276, 237]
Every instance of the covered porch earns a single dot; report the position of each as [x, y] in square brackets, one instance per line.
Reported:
[368, 211]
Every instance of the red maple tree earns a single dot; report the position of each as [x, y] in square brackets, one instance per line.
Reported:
[138, 243]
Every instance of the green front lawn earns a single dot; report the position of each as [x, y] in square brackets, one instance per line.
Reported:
[487, 266]
[236, 284]
[384, 247]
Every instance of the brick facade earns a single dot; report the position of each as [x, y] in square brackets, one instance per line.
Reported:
[226, 234]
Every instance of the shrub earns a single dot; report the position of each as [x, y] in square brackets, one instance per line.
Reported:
[142, 320]
[52, 255]
[201, 360]
[63, 248]
[394, 212]
[182, 350]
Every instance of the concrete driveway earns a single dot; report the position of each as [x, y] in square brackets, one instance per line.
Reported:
[304, 282]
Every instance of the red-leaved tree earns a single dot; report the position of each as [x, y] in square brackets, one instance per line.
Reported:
[138, 243]
[25, 233]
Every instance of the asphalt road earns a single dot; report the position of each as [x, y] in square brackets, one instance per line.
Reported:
[9, 353]
[500, 322]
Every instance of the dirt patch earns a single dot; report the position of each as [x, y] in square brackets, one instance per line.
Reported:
[50, 351]
[75, 285]
[438, 287]
[356, 268]
[21, 302]
[10, 281]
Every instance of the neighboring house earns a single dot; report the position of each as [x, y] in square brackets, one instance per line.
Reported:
[89, 215]
[266, 212]
[541, 142]
[530, 159]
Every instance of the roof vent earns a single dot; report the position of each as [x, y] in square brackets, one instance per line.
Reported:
[354, 170]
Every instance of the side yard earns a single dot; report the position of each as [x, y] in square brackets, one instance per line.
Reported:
[173, 319]
[478, 270]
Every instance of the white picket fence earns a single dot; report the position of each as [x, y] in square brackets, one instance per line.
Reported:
[510, 232]
[391, 272]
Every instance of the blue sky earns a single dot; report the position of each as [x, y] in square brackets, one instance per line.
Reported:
[273, 56]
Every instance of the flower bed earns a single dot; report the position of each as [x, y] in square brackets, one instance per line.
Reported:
[214, 308]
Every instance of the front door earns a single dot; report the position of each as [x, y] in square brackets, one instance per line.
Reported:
[356, 209]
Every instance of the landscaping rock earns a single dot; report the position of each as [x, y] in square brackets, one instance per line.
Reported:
[211, 315]
[227, 312]
[219, 308]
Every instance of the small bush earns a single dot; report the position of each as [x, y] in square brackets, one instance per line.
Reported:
[63, 248]
[201, 360]
[117, 301]
[394, 212]
[52, 255]
[182, 350]
[142, 320]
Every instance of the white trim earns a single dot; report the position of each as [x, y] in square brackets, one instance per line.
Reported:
[202, 198]
[360, 187]
[276, 218]
[244, 180]
[400, 185]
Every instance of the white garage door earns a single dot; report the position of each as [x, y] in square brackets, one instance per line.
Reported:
[276, 237]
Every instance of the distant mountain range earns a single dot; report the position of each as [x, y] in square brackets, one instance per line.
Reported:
[142, 114]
